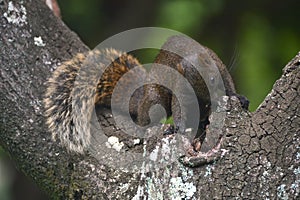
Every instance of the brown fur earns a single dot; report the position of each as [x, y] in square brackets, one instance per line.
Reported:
[62, 118]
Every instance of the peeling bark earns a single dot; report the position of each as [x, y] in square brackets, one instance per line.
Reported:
[261, 149]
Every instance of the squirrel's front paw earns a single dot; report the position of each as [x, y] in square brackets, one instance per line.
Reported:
[194, 158]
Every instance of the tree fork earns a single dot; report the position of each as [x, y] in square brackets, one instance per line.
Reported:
[262, 148]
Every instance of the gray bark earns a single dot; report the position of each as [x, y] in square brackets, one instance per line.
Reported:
[262, 148]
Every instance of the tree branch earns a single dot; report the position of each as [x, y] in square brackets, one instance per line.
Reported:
[261, 149]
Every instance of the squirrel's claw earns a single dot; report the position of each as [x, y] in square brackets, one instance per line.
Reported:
[197, 158]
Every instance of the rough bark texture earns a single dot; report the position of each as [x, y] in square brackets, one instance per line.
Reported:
[261, 149]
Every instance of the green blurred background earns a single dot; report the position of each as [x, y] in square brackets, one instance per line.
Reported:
[255, 39]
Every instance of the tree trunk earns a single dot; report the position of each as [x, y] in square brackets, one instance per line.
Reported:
[261, 149]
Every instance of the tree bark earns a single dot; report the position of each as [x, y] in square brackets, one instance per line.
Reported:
[261, 149]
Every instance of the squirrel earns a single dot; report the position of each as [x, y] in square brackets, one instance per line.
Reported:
[156, 94]
[58, 98]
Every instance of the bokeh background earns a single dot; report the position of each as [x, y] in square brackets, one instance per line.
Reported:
[255, 39]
